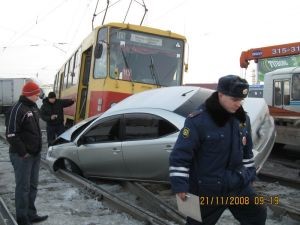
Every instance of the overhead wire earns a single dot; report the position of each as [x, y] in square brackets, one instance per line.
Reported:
[33, 25]
[94, 14]
[163, 14]
[127, 11]
[113, 4]
[87, 7]
[146, 10]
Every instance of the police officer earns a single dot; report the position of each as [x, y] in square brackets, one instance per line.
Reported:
[213, 158]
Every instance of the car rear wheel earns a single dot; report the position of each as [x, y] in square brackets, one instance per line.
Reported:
[72, 167]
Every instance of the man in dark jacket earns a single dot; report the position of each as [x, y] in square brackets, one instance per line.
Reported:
[25, 144]
[213, 157]
[53, 114]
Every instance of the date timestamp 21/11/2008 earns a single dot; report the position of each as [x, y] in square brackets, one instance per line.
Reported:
[238, 200]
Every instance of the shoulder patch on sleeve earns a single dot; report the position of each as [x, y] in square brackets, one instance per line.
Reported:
[186, 132]
[195, 113]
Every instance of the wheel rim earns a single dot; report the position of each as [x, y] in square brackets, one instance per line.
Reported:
[68, 165]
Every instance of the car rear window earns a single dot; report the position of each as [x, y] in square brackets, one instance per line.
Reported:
[193, 102]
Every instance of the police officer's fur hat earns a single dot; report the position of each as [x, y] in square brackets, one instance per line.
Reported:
[233, 86]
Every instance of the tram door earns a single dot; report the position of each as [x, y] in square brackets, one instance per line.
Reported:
[83, 84]
[281, 93]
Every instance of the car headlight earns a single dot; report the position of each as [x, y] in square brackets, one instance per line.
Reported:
[51, 152]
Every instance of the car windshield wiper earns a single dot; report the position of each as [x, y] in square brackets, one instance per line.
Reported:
[184, 94]
[153, 71]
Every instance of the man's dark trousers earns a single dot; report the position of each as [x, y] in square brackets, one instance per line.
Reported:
[26, 177]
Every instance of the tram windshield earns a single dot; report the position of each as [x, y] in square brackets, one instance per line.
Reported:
[145, 58]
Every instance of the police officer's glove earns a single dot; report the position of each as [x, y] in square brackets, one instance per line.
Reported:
[248, 174]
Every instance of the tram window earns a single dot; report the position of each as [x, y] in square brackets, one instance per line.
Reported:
[61, 81]
[286, 92]
[145, 58]
[71, 71]
[277, 93]
[66, 75]
[117, 62]
[87, 67]
[55, 83]
[296, 87]
[100, 69]
[76, 67]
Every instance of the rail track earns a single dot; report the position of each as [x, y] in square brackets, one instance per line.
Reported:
[282, 167]
[153, 207]
[161, 213]
[5, 216]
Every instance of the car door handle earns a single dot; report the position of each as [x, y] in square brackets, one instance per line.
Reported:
[116, 150]
[168, 148]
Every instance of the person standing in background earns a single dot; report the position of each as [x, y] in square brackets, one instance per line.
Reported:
[53, 114]
[25, 144]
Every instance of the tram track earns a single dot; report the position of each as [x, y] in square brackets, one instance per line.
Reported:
[147, 206]
[282, 170]
[168, 217]
[5, 216]
[154, 201]
[161, 212]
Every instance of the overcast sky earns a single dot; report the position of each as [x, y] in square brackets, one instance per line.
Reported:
[37, 36]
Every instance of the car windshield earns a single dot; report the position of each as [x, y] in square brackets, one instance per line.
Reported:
[80, 129]
[193, 102]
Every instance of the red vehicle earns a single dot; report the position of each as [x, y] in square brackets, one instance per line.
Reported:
[279, 67]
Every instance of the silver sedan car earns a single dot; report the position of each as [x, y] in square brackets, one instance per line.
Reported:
[133, 139]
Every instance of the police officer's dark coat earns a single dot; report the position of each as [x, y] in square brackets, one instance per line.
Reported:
[23, 132]
[213, 153]
[49, 109]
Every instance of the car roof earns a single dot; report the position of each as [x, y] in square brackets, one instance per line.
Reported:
[167, 98]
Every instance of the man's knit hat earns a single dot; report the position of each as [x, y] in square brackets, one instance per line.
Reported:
[30, 89]
[51, 95]
[233, 86]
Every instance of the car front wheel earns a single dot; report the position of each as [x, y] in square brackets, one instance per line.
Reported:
[72, 167]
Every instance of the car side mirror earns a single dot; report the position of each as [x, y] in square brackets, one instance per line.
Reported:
[80, 141]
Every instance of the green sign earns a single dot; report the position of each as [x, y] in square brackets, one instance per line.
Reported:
[269, 64]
